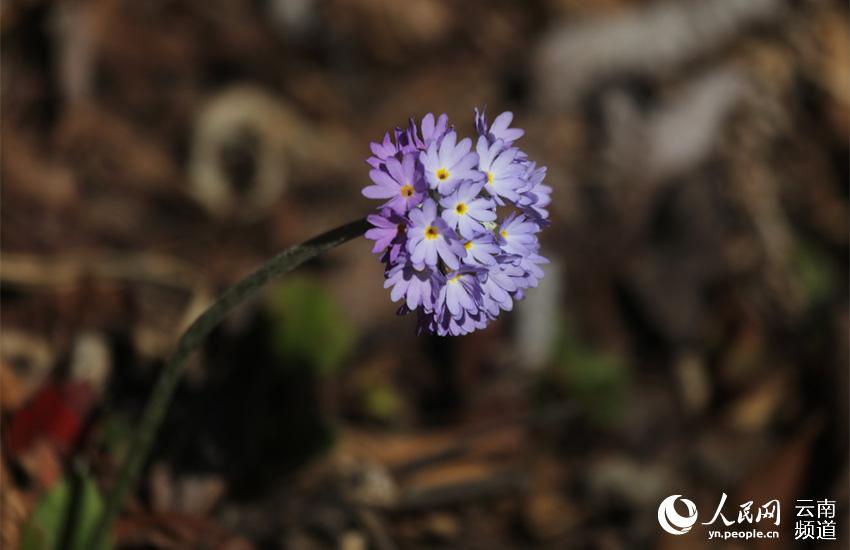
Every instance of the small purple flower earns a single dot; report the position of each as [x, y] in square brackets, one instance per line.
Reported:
[446, 163]
[533, 176]
[503, 175]
[430, 239]
[448, 257]
[461, 293]
[389, 232]
[519, 235]
[499, 129]
[531, 265]
[432, 130]
[418, 287]
[464, 212]
[498, 284]
[536, 196]
[533, 204]
[381, 151]
[481, 249]
[450, 325]
[398, 182]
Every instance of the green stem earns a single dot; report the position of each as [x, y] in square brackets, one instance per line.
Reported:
[190, 341]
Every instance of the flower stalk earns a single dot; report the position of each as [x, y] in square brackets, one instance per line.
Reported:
[189, 342]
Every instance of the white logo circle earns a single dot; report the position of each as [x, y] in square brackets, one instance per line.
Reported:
[671, 521]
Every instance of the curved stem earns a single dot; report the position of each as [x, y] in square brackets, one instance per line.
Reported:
[190, 341]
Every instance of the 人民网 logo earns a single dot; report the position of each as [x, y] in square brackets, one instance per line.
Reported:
[673, 522]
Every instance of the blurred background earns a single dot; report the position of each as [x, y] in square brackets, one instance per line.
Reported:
[690, 336]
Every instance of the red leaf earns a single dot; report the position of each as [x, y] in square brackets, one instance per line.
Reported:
[54, 414]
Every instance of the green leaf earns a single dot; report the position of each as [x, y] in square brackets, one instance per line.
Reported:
[597, 379]
[115, 434]
[811, 268]
[46, 526]
[382, 402]
[307, 325]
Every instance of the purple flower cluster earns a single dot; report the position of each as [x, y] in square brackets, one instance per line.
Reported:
[458, 227]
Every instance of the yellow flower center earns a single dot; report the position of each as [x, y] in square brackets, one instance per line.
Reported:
[461, 208]
[490, 178]
[455, 279]
[442, 174]
[407, 190]
[467, 245]
[504, 233]
[431, 233]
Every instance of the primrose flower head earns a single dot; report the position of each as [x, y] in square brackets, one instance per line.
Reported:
[450, 255]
